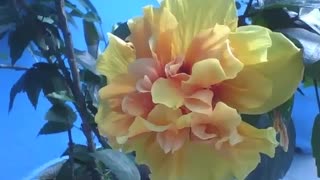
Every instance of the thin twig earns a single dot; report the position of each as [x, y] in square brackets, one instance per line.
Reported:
[315, 83]
[79, 98]
[71, 157]
[17, 68]
[246, 12]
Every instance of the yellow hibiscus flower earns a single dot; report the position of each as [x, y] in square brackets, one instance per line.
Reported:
[176, 90]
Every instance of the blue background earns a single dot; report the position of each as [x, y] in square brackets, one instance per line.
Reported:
[22, 150]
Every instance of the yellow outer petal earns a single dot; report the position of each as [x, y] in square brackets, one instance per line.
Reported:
[250, 44]
[140, 34]
[194, 16]
[248, 90]
[196, 160]
[284, 68]
[264, 84]
[115, 59]
[162, 23]
[121, 86]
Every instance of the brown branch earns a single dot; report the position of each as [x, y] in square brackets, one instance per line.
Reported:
[17, 68]
[75, 84]
[71, 156]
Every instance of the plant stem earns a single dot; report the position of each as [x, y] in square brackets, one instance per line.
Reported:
[246, 12]
[17, 68]
[75, 84]
[71, 157]
[317, 92]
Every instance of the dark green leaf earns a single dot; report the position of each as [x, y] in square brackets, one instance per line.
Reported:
[33, 86]
[92, 17]
[315, 142]
[18, 41]
[288, 3]
[61, 113]
[29, 82]
[54, 127]
[42, 76]
[310, 43]
[62, 96]
[92, 37]
[273, 18]
[80, 154]
[118, 163]
[77, 13]
[88, 5]
[86, 60]
[44, 9]
[276, 168]
[76, 148]
[89, 77]
[121, 30]
[238, 5]
[65, 172]
[15, 89]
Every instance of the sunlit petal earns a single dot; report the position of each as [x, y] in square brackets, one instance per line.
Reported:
[114, 61]
[192, 17]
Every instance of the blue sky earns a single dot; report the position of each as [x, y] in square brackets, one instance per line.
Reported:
[22, 150]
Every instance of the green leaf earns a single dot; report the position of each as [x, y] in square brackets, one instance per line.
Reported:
[310, 43]
[15, 89]
[92, 17]
[86, 60]
[80, 153]
[62, 96]
[92, 37]
[54, 127]
[42, 76]
[121, 30]
[315, 142]
[33, 86]
[273, 18]
[65, 172]
[61, 113]
[286, 3]
[88, 5]
[118, 163]
[276, 168]
[77, 13]
[18, 41]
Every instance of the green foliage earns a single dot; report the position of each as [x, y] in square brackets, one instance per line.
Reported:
[121, 30]
[80, 154]
[54, 127]
[61, 113]
[118, 163]
[20, 39]
[65, 172]
[60, 118]
[315, 142]
[310, 42]
[273, 18]
[45, 77]
[92, 37]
